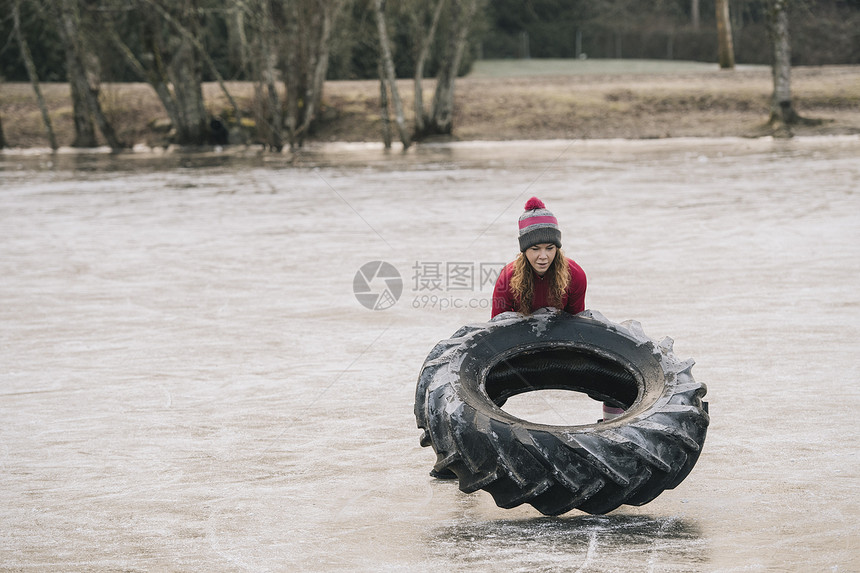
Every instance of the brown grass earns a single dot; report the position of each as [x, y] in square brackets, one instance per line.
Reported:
[596, 106]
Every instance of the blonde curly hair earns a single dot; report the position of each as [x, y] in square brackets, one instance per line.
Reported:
[522, 281]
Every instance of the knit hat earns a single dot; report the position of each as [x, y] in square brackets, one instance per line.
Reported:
[538, 225]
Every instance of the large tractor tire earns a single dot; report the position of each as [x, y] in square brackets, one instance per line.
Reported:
[595, 468]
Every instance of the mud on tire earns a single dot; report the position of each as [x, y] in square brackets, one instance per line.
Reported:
[594, 468]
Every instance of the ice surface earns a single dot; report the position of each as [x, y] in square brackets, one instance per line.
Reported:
[188, 382]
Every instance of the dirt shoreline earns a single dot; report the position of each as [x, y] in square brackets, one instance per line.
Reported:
[594, 106]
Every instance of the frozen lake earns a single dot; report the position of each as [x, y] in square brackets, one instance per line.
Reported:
[189, 383]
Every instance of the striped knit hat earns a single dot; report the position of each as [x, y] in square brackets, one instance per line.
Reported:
[538, 225]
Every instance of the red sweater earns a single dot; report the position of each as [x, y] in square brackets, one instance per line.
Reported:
[572, 302]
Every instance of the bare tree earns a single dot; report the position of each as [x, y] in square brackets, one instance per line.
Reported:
[288, 41]
[306, 27]
[31, 72]
[85, 91]
[383, 107]
[389, 76]
[725, 46]
[425, 41]
[183, 70]
[441, 120]
[782, 113]
[324, 21]
[170, 65]
[192, 37]
[269, 119]
[85, 129]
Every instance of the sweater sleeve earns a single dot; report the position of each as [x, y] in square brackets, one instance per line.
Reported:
[503, 298]
[576, 290]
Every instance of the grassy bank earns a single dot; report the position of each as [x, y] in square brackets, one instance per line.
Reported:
[512, 99]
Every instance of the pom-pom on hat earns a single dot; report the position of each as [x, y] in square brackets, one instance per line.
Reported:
[538, 225]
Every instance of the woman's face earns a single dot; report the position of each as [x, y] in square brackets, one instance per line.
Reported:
[540, 257]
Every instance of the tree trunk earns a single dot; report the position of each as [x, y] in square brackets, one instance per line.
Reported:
[318, 68]
[420, 115]
[442, 119]
[70, 33]
[308, 27]
[388, 71]
[292, 74]
[694, 14]
[275, 117]
[383, 107]
[184, 74]
[725, 46]
[31, 72]
[270, 115]
[781, 109]
[85, 130]
[238, 40]
[2, 135]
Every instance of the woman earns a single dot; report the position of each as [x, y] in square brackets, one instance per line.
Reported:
[541, 275]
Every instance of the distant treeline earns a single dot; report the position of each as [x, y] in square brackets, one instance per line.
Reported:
[289, 48]
[822, 32]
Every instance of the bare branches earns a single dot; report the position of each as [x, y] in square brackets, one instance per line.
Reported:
[201, 51]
